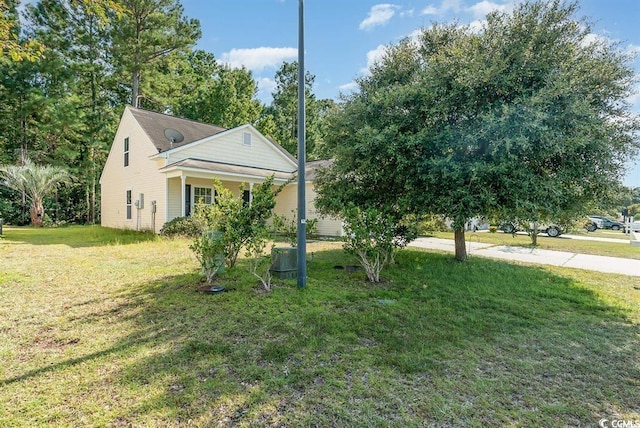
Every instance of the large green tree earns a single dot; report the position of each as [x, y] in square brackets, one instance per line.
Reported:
[77, 41]
[525, 117]
[213, 93]
[144, 37]
[11, 44]
[284, 111]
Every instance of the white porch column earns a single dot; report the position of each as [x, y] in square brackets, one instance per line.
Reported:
[183, 182]
[250, 193]
[166, 198]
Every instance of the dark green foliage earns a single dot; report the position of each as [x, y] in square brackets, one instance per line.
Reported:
[181, 226]
[213, 93]
[284, 112]
[287, 227]
[519, 119]
[240, 224]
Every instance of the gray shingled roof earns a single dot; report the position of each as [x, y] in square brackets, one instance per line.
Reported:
[154, 125]
[312, 167]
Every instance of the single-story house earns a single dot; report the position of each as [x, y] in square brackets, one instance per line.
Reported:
[160, 165]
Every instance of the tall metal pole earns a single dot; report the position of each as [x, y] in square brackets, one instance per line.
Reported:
[302, 211]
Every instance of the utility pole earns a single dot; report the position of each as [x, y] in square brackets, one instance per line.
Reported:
[302, 211]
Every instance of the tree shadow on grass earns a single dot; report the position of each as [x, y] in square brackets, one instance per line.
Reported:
[439, 343]
[75, 236]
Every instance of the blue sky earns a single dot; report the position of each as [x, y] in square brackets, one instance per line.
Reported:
[343, 37]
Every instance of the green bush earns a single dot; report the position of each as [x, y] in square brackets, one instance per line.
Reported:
[287, 227]
[182, 226]
[233, 225]
[432, 223]
[373, 236]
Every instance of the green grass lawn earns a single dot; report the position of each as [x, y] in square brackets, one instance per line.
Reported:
[104, 328]
[612, 249]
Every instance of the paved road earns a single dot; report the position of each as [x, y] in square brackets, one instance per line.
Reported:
[538, 256]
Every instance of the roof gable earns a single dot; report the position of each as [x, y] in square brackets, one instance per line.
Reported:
[154, 124]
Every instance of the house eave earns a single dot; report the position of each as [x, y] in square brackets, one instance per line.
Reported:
[178, 171]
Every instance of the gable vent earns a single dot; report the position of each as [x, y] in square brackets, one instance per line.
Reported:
[246, 139]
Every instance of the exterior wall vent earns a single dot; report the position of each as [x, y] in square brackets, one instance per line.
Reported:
[246, 139]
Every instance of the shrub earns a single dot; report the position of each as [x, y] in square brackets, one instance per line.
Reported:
[373, 235]
[432, 223]
[259, 264]
[287, 227]
[236, 224]
[209, 250]
[182, 226]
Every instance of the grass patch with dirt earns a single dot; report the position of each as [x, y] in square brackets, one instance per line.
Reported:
[111, 330]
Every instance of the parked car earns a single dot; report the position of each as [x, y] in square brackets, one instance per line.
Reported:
[605, 223]
[551, 230]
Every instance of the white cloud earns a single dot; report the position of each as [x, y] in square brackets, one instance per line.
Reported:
[477, 25]
[634, 99]
[483, 8]
[633, 49]
[348, 86]
[408, 13]
[415, 35]
[594, 38]
[445, 6]
[266, 84]
[379, 14]
[374, 56]
[430, 10]
[258, 59]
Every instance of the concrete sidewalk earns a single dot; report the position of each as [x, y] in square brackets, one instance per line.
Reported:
[537, 256]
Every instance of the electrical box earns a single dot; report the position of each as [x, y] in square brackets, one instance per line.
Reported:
[140, 201]
[153, 206]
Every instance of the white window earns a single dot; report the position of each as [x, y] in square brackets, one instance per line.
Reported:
[203, 195]
[128, 204]
[126, 151]
[246, 139]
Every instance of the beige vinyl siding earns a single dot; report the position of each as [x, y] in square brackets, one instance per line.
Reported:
[229, 148]
[175, 192]
[287, 201]
[140, 176]
[174, 195]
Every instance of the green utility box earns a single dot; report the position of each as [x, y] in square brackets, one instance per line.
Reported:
[284, 262]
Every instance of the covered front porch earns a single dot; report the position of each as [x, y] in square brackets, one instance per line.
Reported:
[190, 181]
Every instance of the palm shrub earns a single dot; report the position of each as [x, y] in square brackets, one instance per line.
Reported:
[36, 182]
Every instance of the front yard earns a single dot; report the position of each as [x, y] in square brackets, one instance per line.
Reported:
[104, 328]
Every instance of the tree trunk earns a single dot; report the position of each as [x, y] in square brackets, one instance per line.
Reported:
[37, 213]
[135, 84]
[534, 234]
[461, 246]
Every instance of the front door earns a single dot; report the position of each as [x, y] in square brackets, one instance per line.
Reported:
[187, 200]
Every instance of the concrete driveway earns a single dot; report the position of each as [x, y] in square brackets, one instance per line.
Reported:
[538, 256]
